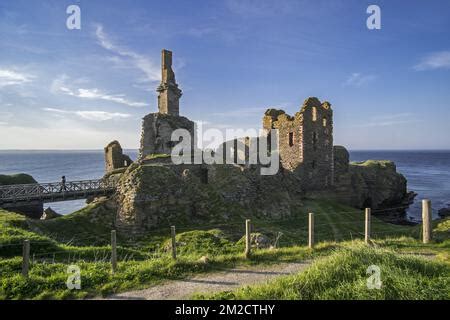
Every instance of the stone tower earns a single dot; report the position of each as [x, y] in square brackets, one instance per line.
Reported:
[318, 162]
[157, 128]
[169, 93]
[305, 141]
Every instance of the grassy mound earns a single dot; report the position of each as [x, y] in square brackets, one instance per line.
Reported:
[211, 242]
[343, 275]
[91, 225]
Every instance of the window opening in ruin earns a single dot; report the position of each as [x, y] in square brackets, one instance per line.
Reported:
[314, 141]
[313, 164]
[291, 139]
[324, 122]
[314, 114]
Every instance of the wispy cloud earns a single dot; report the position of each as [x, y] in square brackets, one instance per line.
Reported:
[148, 67]
[435, 60]
[59, 85]
[9, 77]
[389, 120]
[93, 115]
[358, 80]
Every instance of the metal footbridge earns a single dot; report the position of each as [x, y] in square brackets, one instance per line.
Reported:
[28, 194]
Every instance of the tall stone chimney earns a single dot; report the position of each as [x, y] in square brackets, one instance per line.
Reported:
[169, 93]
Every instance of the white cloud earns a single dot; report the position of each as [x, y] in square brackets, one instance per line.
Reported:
[435, 60]
[143, 63]
[357, 79]
[90, 115]
[10, 77]
[95, 94]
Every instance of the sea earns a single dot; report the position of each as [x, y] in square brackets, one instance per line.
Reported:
[427, 172]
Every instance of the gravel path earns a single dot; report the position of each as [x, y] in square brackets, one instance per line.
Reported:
[212, 282]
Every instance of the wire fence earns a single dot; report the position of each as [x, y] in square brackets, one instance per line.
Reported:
[254, 234]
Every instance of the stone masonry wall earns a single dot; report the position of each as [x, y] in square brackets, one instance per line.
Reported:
[114, 157]
[306, 141]
[317, 143]
[157, 131]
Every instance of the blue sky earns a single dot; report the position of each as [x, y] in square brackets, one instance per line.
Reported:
[80, 89]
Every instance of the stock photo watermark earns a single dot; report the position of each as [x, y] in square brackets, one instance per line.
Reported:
[74, 279]
[373, 22]
[374, 280]
[73, 22]
[259, 149]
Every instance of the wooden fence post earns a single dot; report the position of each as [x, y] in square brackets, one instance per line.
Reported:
[311, 230]
[367, 229]
[426, 220]
[113, 251]
[174, 242]
[248, 245]
[25, 257]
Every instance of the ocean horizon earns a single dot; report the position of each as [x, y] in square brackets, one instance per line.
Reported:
[427, 171]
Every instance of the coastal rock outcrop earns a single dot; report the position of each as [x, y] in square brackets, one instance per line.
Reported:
[49, 213]
[31, 210]
[444, 212]
[372, 183]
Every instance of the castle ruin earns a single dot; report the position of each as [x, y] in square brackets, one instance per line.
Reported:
[155, 191]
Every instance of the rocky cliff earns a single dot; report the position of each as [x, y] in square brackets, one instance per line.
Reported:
[372, 183]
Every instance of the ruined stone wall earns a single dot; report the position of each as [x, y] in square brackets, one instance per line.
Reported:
[155, 194]
[290, 136]
[114, 157]
[306, 141]
[157, 131]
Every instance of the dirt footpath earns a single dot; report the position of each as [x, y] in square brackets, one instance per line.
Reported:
[212, 282]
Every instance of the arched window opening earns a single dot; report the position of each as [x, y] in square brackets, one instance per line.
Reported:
[314, 114]
[324, 122]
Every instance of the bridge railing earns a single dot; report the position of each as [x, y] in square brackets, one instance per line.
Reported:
[42, 190]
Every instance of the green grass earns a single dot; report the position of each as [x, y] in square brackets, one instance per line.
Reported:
[343, 275]
[91, 225]
[372, 163]
[156, 156]
[144, 259]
